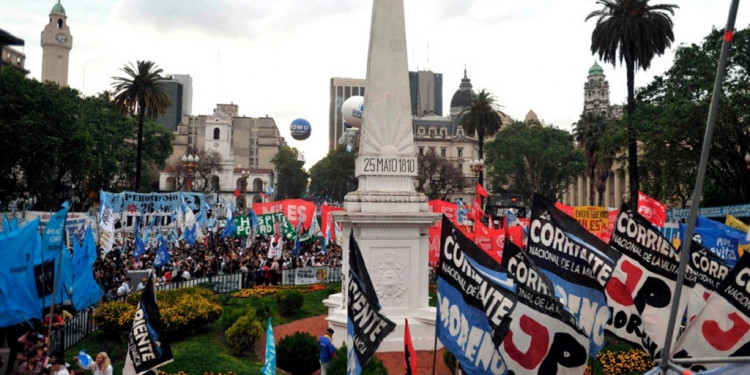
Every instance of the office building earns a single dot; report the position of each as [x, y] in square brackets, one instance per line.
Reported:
[426, 91]
[340, 90]
[172, 116]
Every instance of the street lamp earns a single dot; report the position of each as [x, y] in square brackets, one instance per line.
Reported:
[476, 166]
[190, 162]
[242, 198]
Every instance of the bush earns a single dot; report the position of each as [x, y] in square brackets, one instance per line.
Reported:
[114, 318]
[244, 333]
[182, 311]
[450, 361]
[298, 354]
[230, 315]
[289, 301]
[338, 365]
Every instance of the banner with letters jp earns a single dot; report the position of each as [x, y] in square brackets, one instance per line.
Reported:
[722, 328]
[578, 263]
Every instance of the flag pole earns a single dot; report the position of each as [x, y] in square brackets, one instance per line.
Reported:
[434, 354]
[707, 140]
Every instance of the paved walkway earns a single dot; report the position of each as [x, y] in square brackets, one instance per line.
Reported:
[393, 361]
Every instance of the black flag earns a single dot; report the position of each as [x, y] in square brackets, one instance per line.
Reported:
[366, 325]
[148, 347]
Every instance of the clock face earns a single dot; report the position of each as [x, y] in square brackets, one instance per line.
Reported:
[61, 38]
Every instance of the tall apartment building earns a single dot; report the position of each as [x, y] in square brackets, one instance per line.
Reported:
[340, 90]
[172, 116]
[426, 91]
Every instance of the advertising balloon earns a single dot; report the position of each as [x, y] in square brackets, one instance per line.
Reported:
[300, 129]
[352, 109]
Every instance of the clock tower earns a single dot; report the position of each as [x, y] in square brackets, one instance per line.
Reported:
[56, 45]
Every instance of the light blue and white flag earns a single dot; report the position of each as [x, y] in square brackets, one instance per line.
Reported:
[162, 255]
[269, 368]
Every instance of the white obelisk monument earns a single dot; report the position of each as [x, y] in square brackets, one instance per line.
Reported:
[389, 218]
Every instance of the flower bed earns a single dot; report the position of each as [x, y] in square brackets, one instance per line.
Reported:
[265, 290]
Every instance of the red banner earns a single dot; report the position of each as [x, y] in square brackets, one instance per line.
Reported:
[653, 210]
[326, 218]
[293, 209]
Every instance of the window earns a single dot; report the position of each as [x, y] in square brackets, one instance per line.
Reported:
[432, 150]
[432, 132]
[443, 133]
[257, 184]
[461, 167]
[217, 133]
[421, 150]
[460, 152]
[59, 23]
[215, 183]
[442, 151]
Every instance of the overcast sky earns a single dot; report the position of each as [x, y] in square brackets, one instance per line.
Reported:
[276, 58]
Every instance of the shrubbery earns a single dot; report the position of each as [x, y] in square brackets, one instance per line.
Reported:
[298, 354]
[338, 365]
[183, 311]
[289, 301]
[244, 333]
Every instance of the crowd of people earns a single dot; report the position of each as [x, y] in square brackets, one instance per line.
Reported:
[210, 257]
[29, 342]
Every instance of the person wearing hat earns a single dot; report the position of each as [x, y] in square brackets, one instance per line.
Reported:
[327, 350]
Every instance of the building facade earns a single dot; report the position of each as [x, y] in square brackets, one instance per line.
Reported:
[57, 41]
[245, 145]
[340, 90]
[596, 100]
[187, 92]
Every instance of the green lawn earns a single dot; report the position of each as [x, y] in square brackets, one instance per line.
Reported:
[208, 351]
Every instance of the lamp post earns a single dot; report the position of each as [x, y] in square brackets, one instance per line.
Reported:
[242, 198]
[190, 162]
[476, 166]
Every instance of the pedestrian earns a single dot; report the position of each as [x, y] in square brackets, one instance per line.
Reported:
[327, 350]
[100, 366]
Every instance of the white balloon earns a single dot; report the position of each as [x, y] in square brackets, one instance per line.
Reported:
[352, 110]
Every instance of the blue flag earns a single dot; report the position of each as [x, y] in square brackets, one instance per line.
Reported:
[14, 224]
[17, 275]
[86, 291]
[253, 219]
[6, 225]
[269, 368]
[162, 255]
[228, 230]
[296, 242]
[52, 237]
[190, 235]
[139, 248]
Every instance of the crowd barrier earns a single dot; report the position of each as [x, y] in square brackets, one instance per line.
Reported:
[82, 324]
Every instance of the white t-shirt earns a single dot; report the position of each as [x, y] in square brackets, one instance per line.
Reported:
[123, 289]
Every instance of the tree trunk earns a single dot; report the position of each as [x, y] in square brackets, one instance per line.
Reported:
[632, 137]
[139, 153]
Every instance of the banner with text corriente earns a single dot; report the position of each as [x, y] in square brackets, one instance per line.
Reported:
[551, 340]
[577, 262]
[460, 305]
[643, 282]
[366, 325]
[722, 328]
[148, 347]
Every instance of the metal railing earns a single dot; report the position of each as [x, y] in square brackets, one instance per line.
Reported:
[82, 324]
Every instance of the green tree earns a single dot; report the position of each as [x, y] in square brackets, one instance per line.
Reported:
[437, 177]
[482, 119]
[529, 157]
[141, 91]
[291, 177]
[636, 31]
[671, 118]
[332, 177]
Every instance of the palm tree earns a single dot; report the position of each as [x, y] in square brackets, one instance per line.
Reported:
[481, 119]
[588, 131]
[636, 31]
[141, 91]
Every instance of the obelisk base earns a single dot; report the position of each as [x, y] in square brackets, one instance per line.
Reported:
[394, 247]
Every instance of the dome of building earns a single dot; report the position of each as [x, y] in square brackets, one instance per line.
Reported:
[596, 70]
[58, 8]
[464, 94]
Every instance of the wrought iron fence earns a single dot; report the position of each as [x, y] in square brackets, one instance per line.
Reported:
[82, 324]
